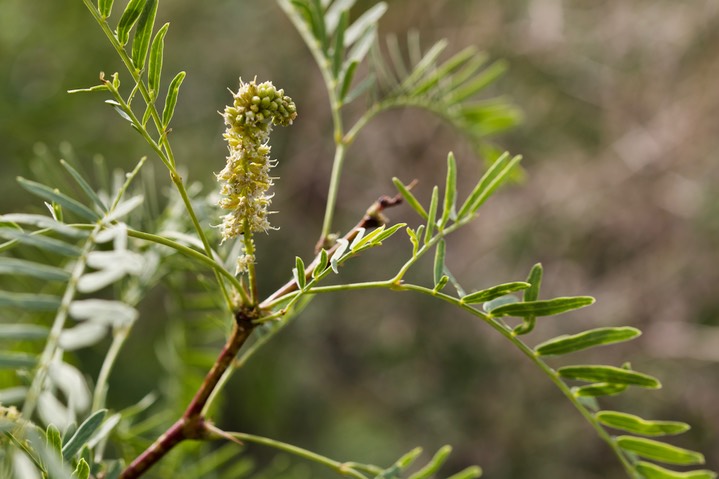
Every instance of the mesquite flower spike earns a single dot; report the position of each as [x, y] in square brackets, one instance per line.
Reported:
[245, 179]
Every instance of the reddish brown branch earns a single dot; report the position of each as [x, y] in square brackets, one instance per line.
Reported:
[192, 425]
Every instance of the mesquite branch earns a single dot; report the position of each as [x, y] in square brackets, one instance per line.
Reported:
[192, 424]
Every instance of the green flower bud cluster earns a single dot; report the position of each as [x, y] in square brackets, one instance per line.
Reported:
[245, 179]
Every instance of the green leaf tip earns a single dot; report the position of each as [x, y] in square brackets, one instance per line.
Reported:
[609, 374]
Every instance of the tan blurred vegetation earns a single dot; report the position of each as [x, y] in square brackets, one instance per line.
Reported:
[620, 139]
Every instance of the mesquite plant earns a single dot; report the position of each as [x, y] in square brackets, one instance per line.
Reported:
[80, 269]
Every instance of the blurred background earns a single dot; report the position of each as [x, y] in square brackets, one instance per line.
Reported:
[620, 140]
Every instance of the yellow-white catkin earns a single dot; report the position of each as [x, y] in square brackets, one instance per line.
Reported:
[246, 179]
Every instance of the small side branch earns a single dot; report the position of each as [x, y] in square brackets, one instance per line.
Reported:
[192, 424]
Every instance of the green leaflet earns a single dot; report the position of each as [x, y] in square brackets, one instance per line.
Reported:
[335, 12]
[490, 181]
[54, 195]
[10, 360]
[546, 307]
[171, 99]
[23, 331]
[609, 374]
[21, 267]
[82, 471]
[143, 34]
[637, 425]
[43, 222]
[321, 265]
[84, 185]
[494, 292]
[587, 339]
[439, 261]
[83, 434]
[29, 301]
[386, 233]
[438, 74]
[402, 463]
[39, 241]
[432, 215]
[530, 294]
[652, 471]
[54, 439]
[368, 20]
[154, 69]
[409, 198]
[299, 273]
[488, 117]
[347, 77]
[599, 389]
[535, 279]
[439, 458]
[425, 65]
[127, 20]
[317, 22]
[339, 44]
[490, 74]
[659, 451]
[490, 306]
[450, 192]
[342, 245]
